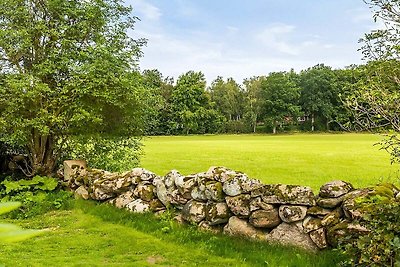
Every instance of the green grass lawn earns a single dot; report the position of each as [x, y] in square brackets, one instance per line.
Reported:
[306, 159]
[101, 235]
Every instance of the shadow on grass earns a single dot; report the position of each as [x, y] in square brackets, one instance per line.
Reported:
[254, 253]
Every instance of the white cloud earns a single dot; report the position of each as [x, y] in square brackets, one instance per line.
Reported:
[147, 10]
[275, 37]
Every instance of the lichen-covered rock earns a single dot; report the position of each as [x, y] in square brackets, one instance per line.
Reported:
[232, 187]
[291, 234]
[335, 189]
[239, 205]
[319, 238]
[332, 218]
[138, 206]
[124, 199]
[285, 194]
[240, 227]
[330, 203]
[198, 195]
[177, 199]
[99, 194]
[185, 185]
[311, 224]
[318, 211]
[349, 204]
[144, 174]
[290, 213]
[220, 174]
[156, 205]
[145, 191]
[214, 192]
[161, 191]
[265, 218]
[194, 211]
[257, 203]
[169, 179]
[81, 192]
[217, 213]
[251, 185]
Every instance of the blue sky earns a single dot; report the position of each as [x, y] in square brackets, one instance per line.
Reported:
[241, 39]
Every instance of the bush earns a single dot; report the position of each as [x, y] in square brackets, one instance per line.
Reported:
[38, 195]
[381, 246]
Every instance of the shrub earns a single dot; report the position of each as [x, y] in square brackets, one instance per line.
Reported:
[381, 246]
[37, 195]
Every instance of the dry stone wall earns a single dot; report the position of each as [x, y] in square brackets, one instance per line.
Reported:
[223, 200]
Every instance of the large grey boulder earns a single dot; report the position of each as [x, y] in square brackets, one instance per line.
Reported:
[240, 227]
[194, 211]
[335, 189]
[232, 187]
[217, 213]
[291, 234]
[162, 191]
[265, 218]
[285, 194]
[290, 213]
[239, 205]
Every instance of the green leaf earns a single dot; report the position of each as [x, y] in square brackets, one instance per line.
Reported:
[9, 206]
[18, 235]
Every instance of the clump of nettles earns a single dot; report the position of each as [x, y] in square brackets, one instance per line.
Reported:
[381, 245]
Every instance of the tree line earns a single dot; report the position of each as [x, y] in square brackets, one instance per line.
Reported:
[310, 100]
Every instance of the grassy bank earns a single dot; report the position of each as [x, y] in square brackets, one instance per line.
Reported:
[306, 159]
[100, 235]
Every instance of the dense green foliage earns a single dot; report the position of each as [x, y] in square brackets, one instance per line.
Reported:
[381, 246]
[90, 234]
[36, 195]
[305, 159]
[66, 68]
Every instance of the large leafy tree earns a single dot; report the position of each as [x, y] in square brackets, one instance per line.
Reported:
[281, 97]
[319, 94]
[67, 67]
[254, 100]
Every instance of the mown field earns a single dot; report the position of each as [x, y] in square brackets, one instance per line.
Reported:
[306, 159]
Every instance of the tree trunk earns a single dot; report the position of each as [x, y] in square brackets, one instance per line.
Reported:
[41, 154]
[274, 128]
[312, 122]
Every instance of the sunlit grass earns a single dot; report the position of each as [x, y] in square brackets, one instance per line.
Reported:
[306, 159]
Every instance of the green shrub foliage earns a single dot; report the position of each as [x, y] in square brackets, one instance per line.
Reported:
[381, 246]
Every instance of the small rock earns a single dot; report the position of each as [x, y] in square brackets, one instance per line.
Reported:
[398, 196]
[214, 191]
[145, 191]
[156, 205]
[185, 185]
[138, 206]
[311, 224]
[285, 194]
[330, 203]
[335, 189]
[291, 234]
[251, 185]
[169, 179]
[257, 203]
[239, 205]
[240, 227]
[318, 211]
[349, 205]
[98, 194]
[206, 226]
[81, 192]
[265, 218]
[161, 191]
[319, 238]
[194, 211]
[124, 199]
[232, 187]
[198, 195]
[332, 218]
[177, 199]
[217, 213]
[292, 213]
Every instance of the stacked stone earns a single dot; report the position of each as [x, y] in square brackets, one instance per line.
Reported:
[223, 200]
